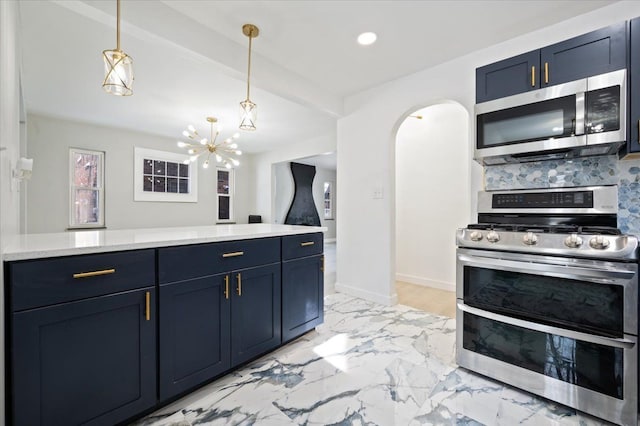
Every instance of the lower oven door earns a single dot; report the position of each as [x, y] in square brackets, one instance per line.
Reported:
[562, 328]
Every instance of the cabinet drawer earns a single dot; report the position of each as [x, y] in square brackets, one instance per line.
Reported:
[45, 282]
[186, 262]
[295, 246]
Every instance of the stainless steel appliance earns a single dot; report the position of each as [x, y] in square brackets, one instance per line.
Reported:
[579, 118]
[547, 298]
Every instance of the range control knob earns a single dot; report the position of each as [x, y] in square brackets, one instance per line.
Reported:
[573, 241]
[530, 238]
[599, 242]
[493, 237]
[475, 236]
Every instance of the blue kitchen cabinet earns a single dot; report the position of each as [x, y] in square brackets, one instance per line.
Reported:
[596, 52]
[81, 338]
[508, 77]
[194, 333]
[302, 295]
[220, 307]
[255, 312]
[302, 284]
[634, 88]
[90, 362]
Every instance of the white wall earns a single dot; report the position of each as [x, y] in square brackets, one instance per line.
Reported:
[264, 163]
[49, 140]
[366, 157]
[10, 142]
[427, 209]
[284, 188]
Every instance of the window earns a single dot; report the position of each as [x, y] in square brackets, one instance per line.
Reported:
[164, 176]
[225, 195]
[328, 200]
[86, 170]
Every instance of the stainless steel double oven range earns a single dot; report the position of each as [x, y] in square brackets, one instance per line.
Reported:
[547, 298]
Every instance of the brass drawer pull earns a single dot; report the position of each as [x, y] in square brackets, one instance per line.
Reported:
[226, 287]
[148, 306]
[307, 243]
[533, 76]
[239, 284]
[94, 273]
[322, 266]
[233, 254]
[546, 73]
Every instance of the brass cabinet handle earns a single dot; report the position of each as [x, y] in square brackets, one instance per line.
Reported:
[226, 287]
[148, 306]
[533, 76]
[94, 273]
[307, 243]
[239, 289]
[233, 254]
[322, 266]
[546, 73]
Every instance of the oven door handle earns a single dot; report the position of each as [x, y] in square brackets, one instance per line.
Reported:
[585, 337]
[595, 275]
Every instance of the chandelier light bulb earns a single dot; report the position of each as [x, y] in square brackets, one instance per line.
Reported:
[235, 162]
[228, 140]
[192, 151]
[233, 145]
[181, 144]
[227, 165]
[193, 158]
[218, 158]
[203, 141]
[191, 128]
[205, 165]
[185, 134]
[236, 135]
[238, 152]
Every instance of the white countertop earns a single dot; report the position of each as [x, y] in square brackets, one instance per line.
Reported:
[35, 246]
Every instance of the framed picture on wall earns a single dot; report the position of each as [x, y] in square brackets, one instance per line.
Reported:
[164, 176]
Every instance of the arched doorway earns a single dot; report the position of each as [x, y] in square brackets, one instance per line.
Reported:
[432, 200]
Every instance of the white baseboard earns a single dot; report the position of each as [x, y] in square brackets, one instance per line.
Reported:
[329, 240]
[367, 295]
[413, 279]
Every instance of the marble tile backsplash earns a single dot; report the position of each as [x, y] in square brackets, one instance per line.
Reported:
[600, 170]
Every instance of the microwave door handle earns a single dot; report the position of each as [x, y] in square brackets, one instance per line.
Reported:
[580, 113]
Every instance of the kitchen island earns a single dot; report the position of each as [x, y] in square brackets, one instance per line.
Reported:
[104, 326]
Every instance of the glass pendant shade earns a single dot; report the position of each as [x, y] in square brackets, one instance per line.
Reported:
[248, 115]
[118, 70]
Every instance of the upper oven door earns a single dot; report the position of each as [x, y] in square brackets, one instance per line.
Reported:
[587, 296]
[541, 120]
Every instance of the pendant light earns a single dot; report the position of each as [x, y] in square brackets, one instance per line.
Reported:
[118, 67]
[249, 110]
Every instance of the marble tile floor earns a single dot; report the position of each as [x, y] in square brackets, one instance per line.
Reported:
[368, 364]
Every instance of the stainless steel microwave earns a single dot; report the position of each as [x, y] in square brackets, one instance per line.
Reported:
[576, 119]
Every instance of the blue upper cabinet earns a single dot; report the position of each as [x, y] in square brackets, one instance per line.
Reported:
[590, 54]
[508, 77]
[634, 83]
[594, 53]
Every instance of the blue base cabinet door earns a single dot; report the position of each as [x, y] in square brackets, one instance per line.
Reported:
[255, 312]
[302, 296]
[86, 362]
[194, 332]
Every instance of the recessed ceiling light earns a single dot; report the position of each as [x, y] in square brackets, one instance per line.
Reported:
[368, 38]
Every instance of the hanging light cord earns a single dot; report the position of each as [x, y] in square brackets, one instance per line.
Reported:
[248, 62]
[118, 25]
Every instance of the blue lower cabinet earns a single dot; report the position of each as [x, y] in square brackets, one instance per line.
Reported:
[255, 312]
[89, 362]
[302, 296]
[194, 333]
